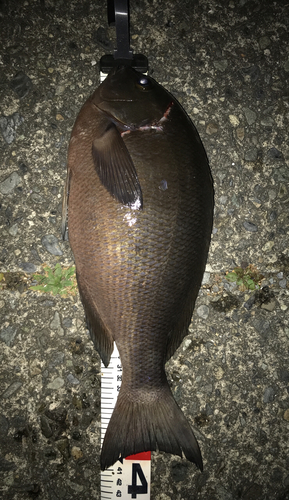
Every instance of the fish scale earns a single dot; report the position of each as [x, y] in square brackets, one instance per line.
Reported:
[140, 250]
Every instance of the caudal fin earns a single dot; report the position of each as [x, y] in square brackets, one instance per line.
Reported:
[147, 426]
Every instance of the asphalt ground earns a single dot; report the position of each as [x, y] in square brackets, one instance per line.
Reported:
[227, 62]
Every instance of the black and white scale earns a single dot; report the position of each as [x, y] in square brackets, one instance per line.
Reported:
[130, 477]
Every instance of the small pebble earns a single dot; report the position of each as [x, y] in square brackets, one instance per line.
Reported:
[251, 154]
[5, 466]
[34, 371]
[262, 326]
[56, 359]
[234, 120]
[23, 168]
[268, 246]
[249, 226]
[273, 215]
[21, 84]
[284, 375]
[250, 302]
[28, 267]
[264, 42]
[63, 446]
[67, 322]
[45, 426]
[13, 230]
[269, 395]
[7, 335]
[76, 487]
[10, 183]
[47, 303]
[50, 242]
[55, 323]
[8, 126]
[283, 283]
[57, 383]
[269, 306]
[267, 122]
[240, 133]
[76, 452]
[203, 311]
[223, 200]
[221, 65]
[102, 38]
[250, 116]
[212, 128]
[163, 185]
[206, 278]
[72, 380]
[275, 154]
[11, 389]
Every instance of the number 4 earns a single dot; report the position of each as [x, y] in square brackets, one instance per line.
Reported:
[135, 489]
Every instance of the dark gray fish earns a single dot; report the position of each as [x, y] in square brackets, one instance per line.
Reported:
[140, 206]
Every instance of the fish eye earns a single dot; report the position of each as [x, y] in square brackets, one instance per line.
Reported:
[144, 83]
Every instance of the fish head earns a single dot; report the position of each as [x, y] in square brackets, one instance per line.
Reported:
[132, 99]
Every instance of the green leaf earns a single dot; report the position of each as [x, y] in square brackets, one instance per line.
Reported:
[251, 284]
[231, 276]
[67, 283]
[49, 272]
[39, 288]
[56, 281]
[239, 271]
[49, 281]
[58, 270]
[70, 272]
[38, 277]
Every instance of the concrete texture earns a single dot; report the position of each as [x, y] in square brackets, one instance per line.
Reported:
[228, 64]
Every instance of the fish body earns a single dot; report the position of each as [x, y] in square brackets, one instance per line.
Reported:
[139, 197]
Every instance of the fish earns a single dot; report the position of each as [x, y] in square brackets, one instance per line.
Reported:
[138, 208]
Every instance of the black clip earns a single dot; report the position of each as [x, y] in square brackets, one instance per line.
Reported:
[118, 16]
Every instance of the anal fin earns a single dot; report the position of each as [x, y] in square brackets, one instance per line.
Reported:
[101, 337]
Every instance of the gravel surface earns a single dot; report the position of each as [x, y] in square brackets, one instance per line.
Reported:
[227, 62]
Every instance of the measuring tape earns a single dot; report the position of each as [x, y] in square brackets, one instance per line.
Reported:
[129, 477]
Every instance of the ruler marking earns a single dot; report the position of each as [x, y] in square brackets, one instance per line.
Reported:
[130, 478]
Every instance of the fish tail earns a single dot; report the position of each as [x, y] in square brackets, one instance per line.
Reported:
[137, 425]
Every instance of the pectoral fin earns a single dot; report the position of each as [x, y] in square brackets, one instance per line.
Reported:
[115, 168]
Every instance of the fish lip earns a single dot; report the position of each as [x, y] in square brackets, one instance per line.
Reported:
[120, 100]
